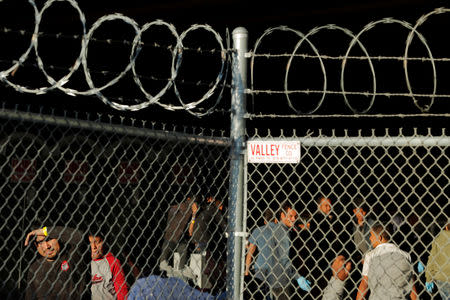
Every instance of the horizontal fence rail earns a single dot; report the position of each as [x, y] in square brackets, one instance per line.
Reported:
[134, 189]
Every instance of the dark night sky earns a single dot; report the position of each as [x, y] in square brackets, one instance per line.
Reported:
[256, 16]
[262, 14]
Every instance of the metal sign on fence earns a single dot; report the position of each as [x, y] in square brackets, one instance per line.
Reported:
[281, 152]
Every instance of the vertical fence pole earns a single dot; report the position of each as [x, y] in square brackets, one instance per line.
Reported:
[238, 104]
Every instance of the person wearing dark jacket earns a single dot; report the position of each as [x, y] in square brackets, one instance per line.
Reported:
[207, 227]
[57, 273]
[323, 244]
[206, 221]
[174, 235]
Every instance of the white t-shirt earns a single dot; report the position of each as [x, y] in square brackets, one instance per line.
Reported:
[381, 249]
[389, 272]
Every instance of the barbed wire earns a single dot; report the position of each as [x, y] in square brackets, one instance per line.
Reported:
[339, 57]
[355, 40]
[87, 36]
[114, 73]
[61, 35]
[217, 85]
[367, 94]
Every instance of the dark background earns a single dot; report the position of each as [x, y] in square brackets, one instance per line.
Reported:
[58, 48]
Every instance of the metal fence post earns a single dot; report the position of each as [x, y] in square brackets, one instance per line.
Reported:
[238, 104]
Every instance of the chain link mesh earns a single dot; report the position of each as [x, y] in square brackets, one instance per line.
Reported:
[400, 181]
[133, 187]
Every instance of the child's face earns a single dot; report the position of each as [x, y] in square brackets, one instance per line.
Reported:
[96, 247]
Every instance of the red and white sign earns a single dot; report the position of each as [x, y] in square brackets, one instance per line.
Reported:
[76, 171]
[183, 174]
[23, 170]
[273, 152]
[129, 172]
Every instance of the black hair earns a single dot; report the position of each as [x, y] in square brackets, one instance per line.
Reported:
[284, 208]
[268, 215]
[382, 230]
[101, 231]
[359, 202]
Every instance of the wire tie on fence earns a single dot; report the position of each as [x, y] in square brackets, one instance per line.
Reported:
[241, 233]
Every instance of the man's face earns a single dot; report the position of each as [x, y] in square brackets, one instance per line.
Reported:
[325, 205]
[96, 247]
[289, 217]
[47, 248]
[359, 213]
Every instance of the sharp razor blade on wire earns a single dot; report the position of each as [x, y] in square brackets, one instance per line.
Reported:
[82, 59]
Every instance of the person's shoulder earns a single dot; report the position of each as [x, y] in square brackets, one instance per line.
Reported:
[255, 232]
[258, 230]
[444, 234]
[110, 258]
[37, 263]
[264, 229]
[274, 226]
[318, 218]
[371, 253]
[391, 248]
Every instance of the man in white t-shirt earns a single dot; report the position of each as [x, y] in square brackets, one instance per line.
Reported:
[387, 270]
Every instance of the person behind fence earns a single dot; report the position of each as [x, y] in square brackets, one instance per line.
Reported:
[413, 238]
[257, 240]
[206, 215]
[59, 272]
[219, 241]
[323, 243]
[274, 266]
[360, 229]
[206, 228]
[387, 270]
[175, 234]
[107, 276]
[438, 266]
[335, 287]
[172, 288]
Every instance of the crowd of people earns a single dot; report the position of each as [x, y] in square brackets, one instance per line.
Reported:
[61, 270]
[313, 260]
[285, 259]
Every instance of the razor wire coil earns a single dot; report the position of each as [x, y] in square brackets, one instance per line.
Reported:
[219, 83]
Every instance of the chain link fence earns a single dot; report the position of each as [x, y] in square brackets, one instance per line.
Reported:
[131, 185]
[400, 180]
